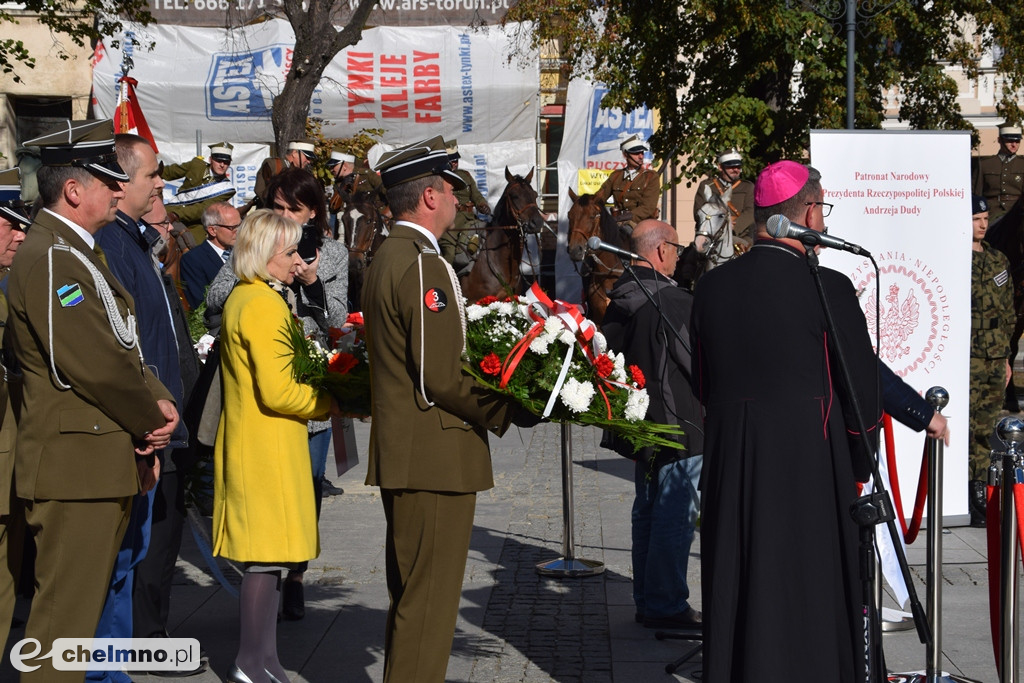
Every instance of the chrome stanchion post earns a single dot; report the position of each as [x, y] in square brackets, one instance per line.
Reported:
[939, 398]
[1011, 433]
[568, 564]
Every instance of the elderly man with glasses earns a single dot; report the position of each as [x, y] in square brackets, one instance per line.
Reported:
[200, 265]
[647, 319]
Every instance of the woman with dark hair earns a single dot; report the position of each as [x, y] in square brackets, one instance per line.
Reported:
[319, 297]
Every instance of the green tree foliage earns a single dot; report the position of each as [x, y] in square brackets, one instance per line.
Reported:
[759, 74]
[80, 21]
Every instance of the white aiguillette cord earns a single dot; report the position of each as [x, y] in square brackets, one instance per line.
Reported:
[462, 316]
[124, 328]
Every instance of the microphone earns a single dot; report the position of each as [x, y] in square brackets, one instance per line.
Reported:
[781, 227]
[595, 244]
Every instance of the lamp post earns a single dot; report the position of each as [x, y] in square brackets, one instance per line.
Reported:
[848, 12]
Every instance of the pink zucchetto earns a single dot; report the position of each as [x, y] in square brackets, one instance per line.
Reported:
[778, 182]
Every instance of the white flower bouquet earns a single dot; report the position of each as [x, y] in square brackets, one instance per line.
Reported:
[555, 363]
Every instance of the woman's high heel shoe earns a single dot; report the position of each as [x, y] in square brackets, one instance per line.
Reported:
[236, 675]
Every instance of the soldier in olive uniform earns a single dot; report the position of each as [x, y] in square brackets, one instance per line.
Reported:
[460, 243]
[1000, 177]
[992, 320]
[428, 442]
[741, 202]
[13, 223]
[355, 180]
[92, 413]
[635, 189]
[211, 176]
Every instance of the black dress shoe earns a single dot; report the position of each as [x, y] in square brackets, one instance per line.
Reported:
[293, 604]
[178, 674]
[329, 489]
[690, 619]
[977, 503]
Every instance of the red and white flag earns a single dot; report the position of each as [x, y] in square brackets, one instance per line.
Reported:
[128, 117]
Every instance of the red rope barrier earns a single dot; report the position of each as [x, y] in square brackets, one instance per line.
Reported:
[992, 524]
[909, 535]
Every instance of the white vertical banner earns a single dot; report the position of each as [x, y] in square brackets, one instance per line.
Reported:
[905, 197]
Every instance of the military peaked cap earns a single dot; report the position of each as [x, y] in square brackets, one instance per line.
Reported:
[418, 160]
[11, 206]
[86, 144]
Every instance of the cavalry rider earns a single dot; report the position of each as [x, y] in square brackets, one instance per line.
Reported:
[198, 172]
[741, 202]
[459, 244]
[301, 154]
[1000, 178]
[634, 189]
[353, 177]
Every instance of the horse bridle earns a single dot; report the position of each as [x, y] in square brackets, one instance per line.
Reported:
[589, 255]
[517, 214]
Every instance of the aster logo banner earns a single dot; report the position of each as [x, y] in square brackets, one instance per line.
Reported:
[413, 82]
[905, 197]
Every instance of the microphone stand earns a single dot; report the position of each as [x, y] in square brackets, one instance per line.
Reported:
[627, 267]
[869, 510]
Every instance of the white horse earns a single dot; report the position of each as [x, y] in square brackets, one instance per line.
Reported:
[714, 239]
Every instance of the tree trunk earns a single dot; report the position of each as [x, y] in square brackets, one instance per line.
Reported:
[317, 42]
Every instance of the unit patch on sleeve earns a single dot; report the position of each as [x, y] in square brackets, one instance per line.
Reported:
[435, 300]
[70, 295]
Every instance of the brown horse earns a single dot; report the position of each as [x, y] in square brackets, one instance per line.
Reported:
[362, 227]
[599, 269]
[496, 269]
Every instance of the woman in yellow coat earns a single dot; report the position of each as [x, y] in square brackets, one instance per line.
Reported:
[264, 514]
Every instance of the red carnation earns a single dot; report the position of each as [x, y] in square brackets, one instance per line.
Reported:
[487, 301]
[341, 363]
[491, 364]
[334, 334]
[638, 376]
[604, 365]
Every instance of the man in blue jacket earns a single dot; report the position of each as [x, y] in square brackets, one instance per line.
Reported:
[126, 246]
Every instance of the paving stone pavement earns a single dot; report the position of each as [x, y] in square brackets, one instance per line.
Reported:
[515, 625]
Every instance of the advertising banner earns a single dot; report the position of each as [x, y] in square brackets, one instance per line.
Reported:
[412, 82]
[385, 13]
[904, 196]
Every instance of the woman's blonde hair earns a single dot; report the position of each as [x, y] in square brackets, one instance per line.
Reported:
[260, 236]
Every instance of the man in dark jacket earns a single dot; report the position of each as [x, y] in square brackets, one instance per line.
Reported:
[665, 507]
[126, 246]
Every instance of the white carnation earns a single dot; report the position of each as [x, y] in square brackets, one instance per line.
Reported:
[636, 405]
[600, 343]
[552, 326]
[577, 395]
[540, 345]
[504, 307]
[474, 312]
[567, 337]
